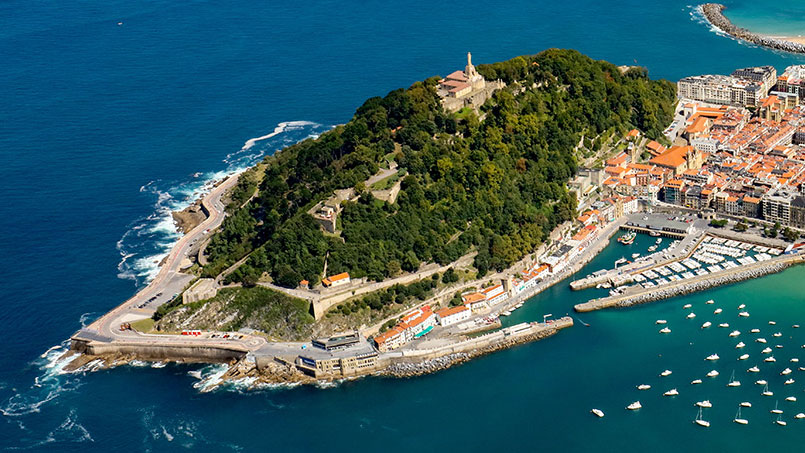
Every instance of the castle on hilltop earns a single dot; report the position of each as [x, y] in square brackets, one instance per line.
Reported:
[466, 88]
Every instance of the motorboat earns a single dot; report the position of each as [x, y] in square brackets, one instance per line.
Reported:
[744, 314]
[754, 369]
[789, 381]
[717, 311]
[723, 324]
[760, 340]
[672, 392]
[761, 382]
[686, 306]
[796, 326]
[741, 307]
[622, 260]
[785, 372]
[794, 360]
[691, 315]
[665, 330]
[666, 373]
[740, 345]
[802, 368]
[770, 359]
[598, 412]
[660, 321]
[712, 373]
[799, 416]
[738, 419]
[652, 248]
[711, 301]
[705, 403]
[755, 330]
[634, 406]
[643, 387]
[771, 323]
[765, 351]
[792, 399]
[701, 422]
[778, 346]
[735, 333]
[743, 357]
[706, 325]
[712, 357]
[628, 238]
[635, 255]
[777, 334]
[695, 381]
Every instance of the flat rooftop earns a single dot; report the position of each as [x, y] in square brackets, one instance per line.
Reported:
[661, 222]
[360, 348]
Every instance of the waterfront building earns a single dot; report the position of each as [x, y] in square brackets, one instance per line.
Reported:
[336, 280]
[797, 219]
[792, 81]
[390, 339]
[351, 361]
[338, 342]
[495, 294]
[777, 206]
[766, 76]
[453, 315]
[475, 301]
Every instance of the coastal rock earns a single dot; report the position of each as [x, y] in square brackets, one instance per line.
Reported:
[714, 13]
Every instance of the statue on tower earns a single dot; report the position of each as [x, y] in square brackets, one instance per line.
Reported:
[469, 70]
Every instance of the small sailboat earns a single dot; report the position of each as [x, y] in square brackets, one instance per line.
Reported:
[712, 373]
[777, 334]
[643, 387]
[802, 368]
[780, 422]
[735, 333]
[739, 345]
[738, 419]
[743, 357]
[598, 412]
[695, 381]
[723, 324]
[778, 346]
[761, 340]
[796, 326]
[785, 372]
[686, 306]
[701, 422]
[746, 404]
[761, 382]
[733, 382]
[754, 369]
[705, 403]
[771, 323]
[634, 406]
[660, 321]
[799, 416]
[789, 381]
[776, 410]
[717, 311]
[665, 330]
[766, 391]
[794, 360]
[666, 373]
[706, 325]
[755, 330]
[792, 399]
[691, 315]
[765, 351]
[744, 314]
[770, 359]
[712, 357]
[672, 392]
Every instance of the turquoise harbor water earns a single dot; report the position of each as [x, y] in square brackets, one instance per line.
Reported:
[782, 18]
[105, 127]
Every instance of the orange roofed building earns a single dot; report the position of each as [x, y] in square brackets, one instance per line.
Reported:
[336, 280]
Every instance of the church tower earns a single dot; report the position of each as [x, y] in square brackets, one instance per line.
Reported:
[473, 78]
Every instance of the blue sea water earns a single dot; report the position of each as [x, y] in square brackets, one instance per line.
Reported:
[115, 112]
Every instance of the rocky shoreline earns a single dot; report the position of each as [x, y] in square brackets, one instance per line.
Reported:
[714, 14]
[665, 293]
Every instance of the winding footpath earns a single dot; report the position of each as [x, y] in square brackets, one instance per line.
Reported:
[714, 13]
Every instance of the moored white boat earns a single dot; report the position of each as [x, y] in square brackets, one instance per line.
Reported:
[660, 321]
[776, 409]
[717, 311]
[760, 340]
[665, 330]
[755, 330]
[735, 333]
[733, 382]
[780, 422]
[765, 351]
[771, 323]
[746, 404]
[754, 369]
[785, 372]
[634, 406]
[799, 416]
[794, 360]
[699, 421]
[738, 419]
[770, 359]
[672, 392]
[712, 357]
[741, 307]
[705, 403]
[777, 334]
[706, 325]
[739, 345]
[723, 324]
[743, 357]
[666, 373]
[687, 306]
[792, 399]
[711, 301]
[712, 373]
[696, 381]
[691, 315]
[789, 381]
[598, 412]
[766, 391]
[744, 314]
[761, 382]
[643, 387]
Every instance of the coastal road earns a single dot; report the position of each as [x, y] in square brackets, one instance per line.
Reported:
[169, 281]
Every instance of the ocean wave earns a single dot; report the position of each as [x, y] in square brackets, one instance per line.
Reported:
[210, 377]
[149, 239]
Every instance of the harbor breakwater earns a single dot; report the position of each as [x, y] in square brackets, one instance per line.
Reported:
[714, 13]
[690, 286]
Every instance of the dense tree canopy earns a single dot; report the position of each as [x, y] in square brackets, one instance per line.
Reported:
[497, 186]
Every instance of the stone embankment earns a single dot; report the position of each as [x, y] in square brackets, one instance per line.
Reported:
[713, 12]
[687, 286]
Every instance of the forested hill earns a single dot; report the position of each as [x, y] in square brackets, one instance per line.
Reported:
[496, 186]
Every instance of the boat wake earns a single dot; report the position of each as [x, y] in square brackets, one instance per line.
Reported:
[149, 239]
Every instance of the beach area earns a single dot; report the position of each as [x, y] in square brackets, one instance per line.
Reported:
[714, 14]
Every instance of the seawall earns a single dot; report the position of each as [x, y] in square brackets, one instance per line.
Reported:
[714, 13]
[691, 285]
[159, 352]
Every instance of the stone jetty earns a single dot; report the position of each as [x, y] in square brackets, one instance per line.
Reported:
[691, 285]
[714, 13]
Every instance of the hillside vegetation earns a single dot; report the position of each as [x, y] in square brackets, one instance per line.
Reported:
[497, 186]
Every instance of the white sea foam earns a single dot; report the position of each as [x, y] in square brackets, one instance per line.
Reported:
[211, 377]
[151, 238]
